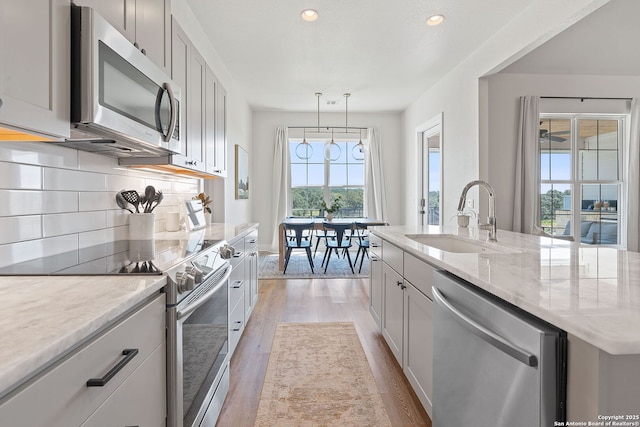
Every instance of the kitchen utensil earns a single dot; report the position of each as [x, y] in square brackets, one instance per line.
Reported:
[159, 197]
[150, 196]
[132, 197]
[122, 203]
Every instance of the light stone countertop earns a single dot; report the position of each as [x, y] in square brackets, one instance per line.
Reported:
[44, 317]
[592, 292]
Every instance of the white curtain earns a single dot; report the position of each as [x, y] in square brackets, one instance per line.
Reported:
[632, 179]
[374, 198]
[281, 183]
[525, 201]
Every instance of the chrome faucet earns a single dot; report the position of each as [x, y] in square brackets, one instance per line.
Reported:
[491, 221]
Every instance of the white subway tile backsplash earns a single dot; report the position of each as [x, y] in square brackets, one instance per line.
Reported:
[125, 182]
[59, 224]
[24, 251]
[20, 228]
[17, 176]
[39, 153]
[97, 201]
[70, 180]
[35, 202]
[55, 199]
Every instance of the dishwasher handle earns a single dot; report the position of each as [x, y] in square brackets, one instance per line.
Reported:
[485, 334]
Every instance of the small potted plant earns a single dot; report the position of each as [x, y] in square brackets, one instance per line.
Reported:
[335, 206]
[463, 217]
[206, 201]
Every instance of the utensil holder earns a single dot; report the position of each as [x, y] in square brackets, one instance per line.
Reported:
[141, 236]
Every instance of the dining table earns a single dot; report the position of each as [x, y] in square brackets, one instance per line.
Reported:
[317, 225]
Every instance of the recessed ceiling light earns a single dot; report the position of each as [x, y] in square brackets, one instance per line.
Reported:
[435, 19]
[309, 15]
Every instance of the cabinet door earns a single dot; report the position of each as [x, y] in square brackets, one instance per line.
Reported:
[418, 341]
[375, 289]
[393, 310]
[140, 400]
[119, 13]
[180, 53]
[34, 66]
[210, 84]
[153, 30]
[221, 130]
[195, 105]
[253, 263]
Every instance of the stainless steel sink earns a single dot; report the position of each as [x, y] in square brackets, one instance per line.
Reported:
[457, 244]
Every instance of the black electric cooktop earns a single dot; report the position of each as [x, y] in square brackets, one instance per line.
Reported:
[131, 257]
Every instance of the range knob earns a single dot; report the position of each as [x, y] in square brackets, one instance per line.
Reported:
[196, 273]
[185, 282]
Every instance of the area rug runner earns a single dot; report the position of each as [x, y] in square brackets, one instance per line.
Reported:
[299, 267]
[318, 375]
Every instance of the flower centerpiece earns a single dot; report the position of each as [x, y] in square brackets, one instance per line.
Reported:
[334, 207]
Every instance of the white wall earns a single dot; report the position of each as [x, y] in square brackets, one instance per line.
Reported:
[504, 91]
[461, 97]
[264, 131]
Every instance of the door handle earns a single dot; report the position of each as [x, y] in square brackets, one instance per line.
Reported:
[174, 112]
[485, 334]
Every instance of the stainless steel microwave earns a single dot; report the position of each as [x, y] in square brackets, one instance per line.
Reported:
[122, 104]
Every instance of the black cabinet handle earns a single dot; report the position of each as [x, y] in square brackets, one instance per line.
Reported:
[238, 328]
[129, 354]
[144, 52]
[398, 283]
[237, 284]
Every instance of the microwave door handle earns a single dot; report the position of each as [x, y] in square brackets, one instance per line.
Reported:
[174, 112]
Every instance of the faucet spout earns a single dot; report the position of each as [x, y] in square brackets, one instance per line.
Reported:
[491, 221]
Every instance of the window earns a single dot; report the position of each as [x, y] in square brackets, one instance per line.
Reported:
[316, 179]
[580, 177]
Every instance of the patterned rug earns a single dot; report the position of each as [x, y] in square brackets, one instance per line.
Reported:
[318, 375]
[299, 267]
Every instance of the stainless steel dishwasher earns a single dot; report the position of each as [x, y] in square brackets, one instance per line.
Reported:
[494, 365]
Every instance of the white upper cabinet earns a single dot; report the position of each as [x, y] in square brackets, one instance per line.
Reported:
[146, 23]
[34, 67]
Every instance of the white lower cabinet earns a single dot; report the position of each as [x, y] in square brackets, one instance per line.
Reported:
[418, 344]
[133, 395]
[243, 285]
[407, 314]
[393, 310]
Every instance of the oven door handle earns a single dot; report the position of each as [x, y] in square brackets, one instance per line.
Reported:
[204, 297]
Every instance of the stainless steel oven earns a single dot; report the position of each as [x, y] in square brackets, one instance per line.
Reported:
[198, 334]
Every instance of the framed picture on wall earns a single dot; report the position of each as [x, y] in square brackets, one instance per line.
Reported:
[242, 173]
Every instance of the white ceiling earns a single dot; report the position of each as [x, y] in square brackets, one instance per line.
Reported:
[603, 43]
[381, 51]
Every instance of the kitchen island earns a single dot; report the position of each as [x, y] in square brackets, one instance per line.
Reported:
[591, 292]
[46, 319]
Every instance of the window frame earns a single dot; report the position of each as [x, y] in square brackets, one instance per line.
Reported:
[349, 143]
[575, 183]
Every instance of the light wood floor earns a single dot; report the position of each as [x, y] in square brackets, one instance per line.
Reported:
[314, 300]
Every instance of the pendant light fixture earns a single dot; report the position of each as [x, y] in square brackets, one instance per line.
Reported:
[332, 151]
[358, 150]
[304, 150]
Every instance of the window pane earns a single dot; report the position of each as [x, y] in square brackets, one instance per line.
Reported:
[598, 144]
[599, 214]
[555, 208]
[298, 175]
[555, 149]
[355, 174]
[316, 175]
[352, 201]
[337, 175]
[307, 201]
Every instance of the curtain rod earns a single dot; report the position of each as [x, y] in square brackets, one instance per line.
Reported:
[582, 98]
[322, 128]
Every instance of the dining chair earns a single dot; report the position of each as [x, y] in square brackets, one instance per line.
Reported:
[299, 240]
[361, 236]
[341, 241]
